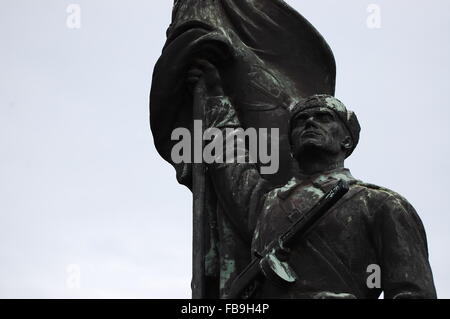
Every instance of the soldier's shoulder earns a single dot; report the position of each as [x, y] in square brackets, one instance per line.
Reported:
[277, 191]
[384, 202]
[379, 193]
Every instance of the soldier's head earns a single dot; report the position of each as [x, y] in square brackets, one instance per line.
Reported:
[322, 125]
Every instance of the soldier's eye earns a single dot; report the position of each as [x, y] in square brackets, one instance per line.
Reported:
[325, 117]
[301, 119]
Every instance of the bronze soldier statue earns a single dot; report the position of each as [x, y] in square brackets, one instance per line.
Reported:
[260, 64]
[370, 225]
[270, 56]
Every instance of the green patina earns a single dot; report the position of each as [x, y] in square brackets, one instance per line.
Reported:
[227, 269]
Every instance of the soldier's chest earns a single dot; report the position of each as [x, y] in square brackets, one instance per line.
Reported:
[340, 223]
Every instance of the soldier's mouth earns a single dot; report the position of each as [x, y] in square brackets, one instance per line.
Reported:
[310, 133]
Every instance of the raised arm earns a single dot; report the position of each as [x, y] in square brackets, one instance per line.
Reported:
[238, 184]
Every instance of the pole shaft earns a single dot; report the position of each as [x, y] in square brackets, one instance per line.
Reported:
[199, 218]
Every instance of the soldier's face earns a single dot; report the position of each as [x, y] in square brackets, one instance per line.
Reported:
[318, 130]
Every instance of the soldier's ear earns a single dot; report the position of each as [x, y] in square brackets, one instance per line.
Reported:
[347, 143]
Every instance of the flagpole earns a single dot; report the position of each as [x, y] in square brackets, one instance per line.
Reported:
[198, 190]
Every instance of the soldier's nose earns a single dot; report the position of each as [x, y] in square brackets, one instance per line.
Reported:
[310, 121]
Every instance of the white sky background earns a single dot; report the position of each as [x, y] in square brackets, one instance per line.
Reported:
[81, 182]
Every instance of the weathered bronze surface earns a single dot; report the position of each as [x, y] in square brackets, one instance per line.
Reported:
[260, 64]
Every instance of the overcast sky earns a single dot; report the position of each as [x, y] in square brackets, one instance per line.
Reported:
[82, 189]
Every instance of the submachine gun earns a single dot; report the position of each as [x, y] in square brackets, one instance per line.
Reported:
[272, 263]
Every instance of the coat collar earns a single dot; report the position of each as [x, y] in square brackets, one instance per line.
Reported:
[321, 180]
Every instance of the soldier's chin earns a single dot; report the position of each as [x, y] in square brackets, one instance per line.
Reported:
[309, 148]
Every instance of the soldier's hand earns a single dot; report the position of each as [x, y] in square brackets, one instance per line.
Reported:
[204, 69]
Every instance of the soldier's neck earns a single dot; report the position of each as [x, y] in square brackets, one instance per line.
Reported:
[317, 165]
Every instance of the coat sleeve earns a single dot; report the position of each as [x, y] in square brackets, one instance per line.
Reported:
[403, 252]
[239, 186]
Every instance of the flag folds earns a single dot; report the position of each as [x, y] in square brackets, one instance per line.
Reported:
[269, 57]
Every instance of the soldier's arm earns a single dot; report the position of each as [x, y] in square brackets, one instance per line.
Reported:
[403, 252]
[239, 186]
